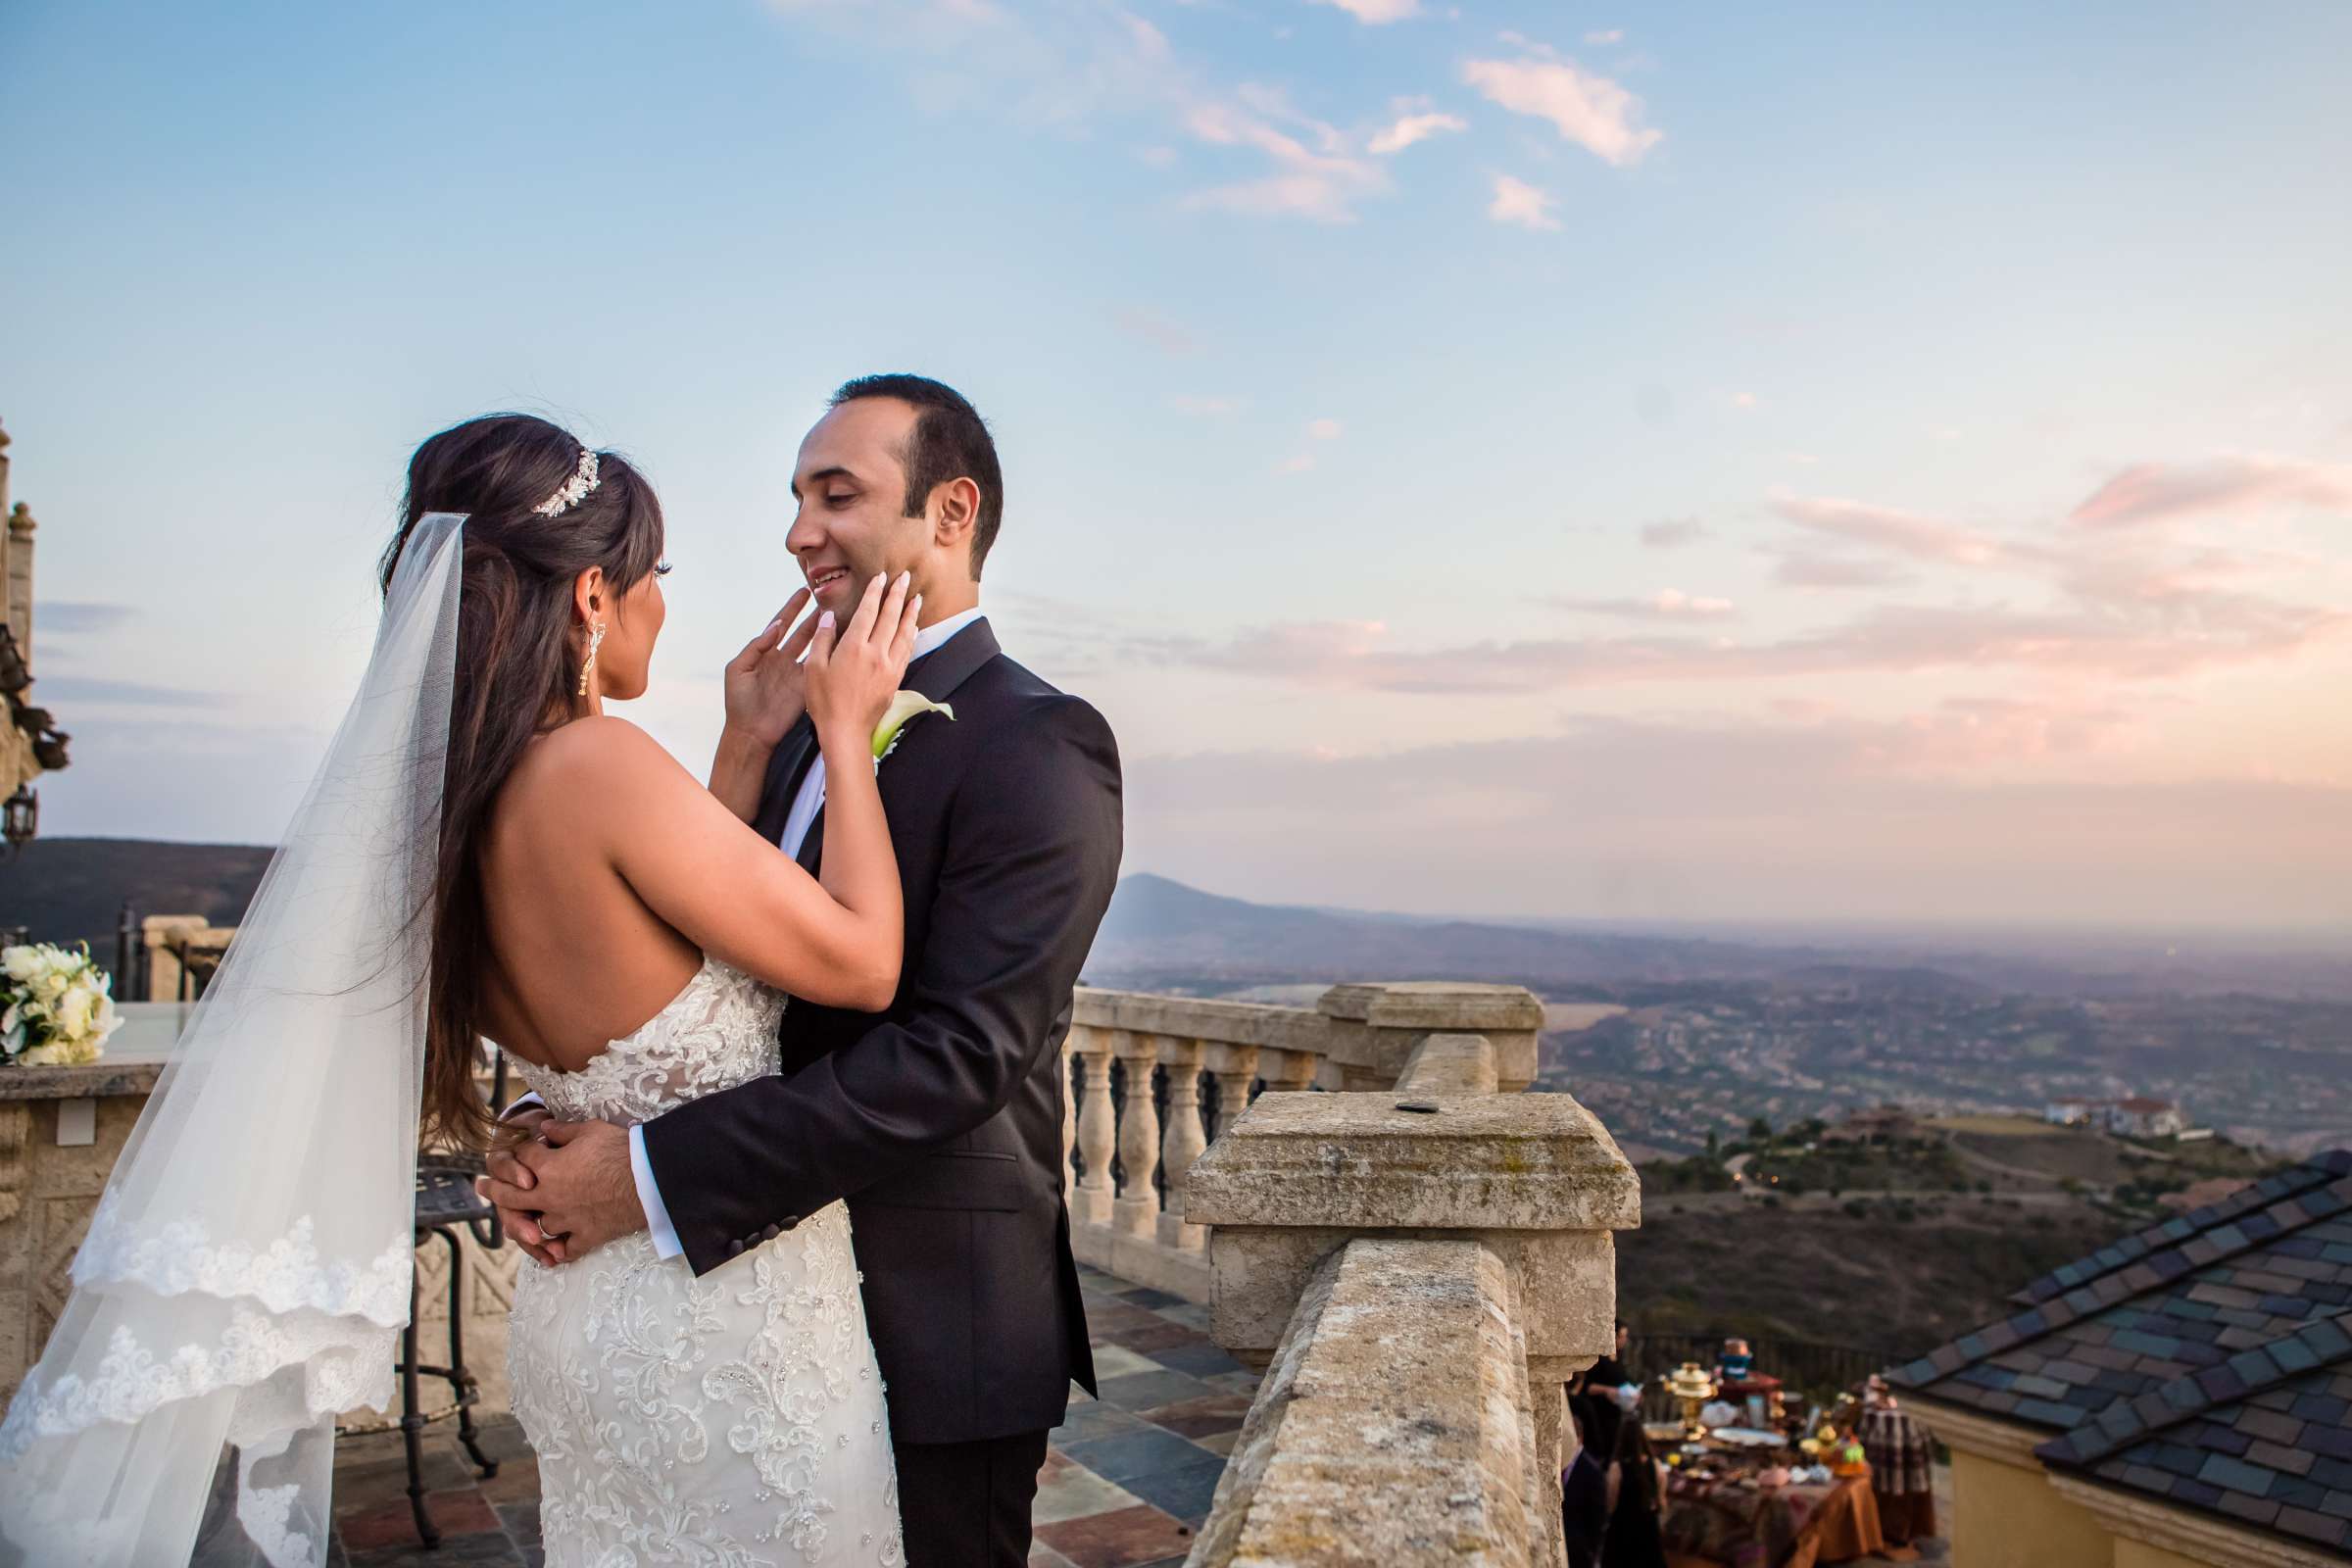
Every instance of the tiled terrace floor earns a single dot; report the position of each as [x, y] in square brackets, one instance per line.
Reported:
[1126, 1482]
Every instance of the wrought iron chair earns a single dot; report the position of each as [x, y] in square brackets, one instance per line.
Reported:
[445, 1200]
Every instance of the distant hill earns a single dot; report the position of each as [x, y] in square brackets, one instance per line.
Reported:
[1162, 935]
[73, 890]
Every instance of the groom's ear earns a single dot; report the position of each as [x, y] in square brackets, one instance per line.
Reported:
[954, 512]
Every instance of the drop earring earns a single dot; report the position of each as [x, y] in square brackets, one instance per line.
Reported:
[596, 640]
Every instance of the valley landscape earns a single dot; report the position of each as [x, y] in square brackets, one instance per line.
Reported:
[1723, 1063]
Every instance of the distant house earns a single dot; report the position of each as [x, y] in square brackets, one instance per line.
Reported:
[1881, 1124]
[2145, 1118]
[2182, 1396]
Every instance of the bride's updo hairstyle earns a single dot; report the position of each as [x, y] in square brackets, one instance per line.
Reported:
[520, 652]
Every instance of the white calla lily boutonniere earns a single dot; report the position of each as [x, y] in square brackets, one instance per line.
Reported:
[904, 708]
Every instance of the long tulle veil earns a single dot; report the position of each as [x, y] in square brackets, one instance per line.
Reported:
[247, 1271]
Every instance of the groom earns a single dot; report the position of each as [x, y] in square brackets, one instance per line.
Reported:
[939, 1120]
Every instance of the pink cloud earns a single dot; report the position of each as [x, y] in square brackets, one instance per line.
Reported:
[1517, 202]
[1811, 568]
[1322, 182]
[1410, 128]
[2230, 486]
[1908, 534]
[1589, 109]
[1667, 604]
[2086, 642]
[1377, 12]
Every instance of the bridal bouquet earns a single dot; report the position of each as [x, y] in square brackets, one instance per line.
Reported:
[57, 1009]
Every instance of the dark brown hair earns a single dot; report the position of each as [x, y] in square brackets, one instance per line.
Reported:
[950, 441]
[1636, 1462]
[518, 657]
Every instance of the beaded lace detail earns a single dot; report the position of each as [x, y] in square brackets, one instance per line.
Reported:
[719, 1032]
[735, 1420]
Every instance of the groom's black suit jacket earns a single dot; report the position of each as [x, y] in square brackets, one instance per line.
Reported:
[940, 1120]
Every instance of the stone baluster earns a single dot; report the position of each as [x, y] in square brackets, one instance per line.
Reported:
[1091, 1200]
[1137, 1208]
[1234, 1069]
[1288, 1072]
[1183, 1140]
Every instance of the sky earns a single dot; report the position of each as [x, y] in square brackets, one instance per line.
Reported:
[1796, 464]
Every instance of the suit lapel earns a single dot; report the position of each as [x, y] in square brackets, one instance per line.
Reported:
[936, 675]
[795, 753]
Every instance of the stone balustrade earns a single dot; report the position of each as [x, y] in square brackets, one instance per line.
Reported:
[1132, 1159]
[1420, 1266]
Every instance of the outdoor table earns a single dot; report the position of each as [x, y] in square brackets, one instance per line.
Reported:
[1794, 1525]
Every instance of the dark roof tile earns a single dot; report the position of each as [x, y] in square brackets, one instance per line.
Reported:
[2258, 1510]
[2272, 1456]
[2268, 1424]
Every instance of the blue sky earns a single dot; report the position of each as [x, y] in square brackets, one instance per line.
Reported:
[1820, 463]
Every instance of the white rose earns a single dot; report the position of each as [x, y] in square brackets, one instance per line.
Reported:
[73, 1009]
[22, 964]
[55, 1054]
[50, 986]
[106, 1020]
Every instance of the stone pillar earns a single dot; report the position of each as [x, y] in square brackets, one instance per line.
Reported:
[163, 933]
[1183, 1140]
[1089, 1201]
[1374, 1028]
[4, 538]
[1137, 1209]
[20, 578]
[1547, 1397]
[1534, 1178]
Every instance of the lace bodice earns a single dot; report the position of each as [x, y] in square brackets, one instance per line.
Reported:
[719, 1032]
[730, 1420]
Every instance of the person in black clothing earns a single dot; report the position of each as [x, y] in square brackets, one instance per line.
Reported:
[1584, 1495]
[1635, 1539]
[1608, 1373]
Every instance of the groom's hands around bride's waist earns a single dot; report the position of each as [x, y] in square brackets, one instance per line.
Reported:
[568, 1192]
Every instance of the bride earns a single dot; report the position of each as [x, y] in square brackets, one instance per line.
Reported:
[486, 854]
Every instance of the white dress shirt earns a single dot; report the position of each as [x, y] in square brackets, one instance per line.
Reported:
[804, 805]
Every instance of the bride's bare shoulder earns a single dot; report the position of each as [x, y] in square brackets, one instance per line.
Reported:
[598, 759]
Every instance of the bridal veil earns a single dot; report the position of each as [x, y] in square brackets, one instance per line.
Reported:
[247, 1272]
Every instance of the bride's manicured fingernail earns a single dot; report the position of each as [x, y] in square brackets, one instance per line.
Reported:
[825, 621]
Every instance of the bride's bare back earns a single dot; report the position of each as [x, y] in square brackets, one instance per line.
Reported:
[608, 873]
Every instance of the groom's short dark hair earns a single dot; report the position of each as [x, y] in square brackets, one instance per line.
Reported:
[950, 441]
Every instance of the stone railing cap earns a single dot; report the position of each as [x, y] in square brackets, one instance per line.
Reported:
[1514, 1162]
[1244, 1023]
[123, 1074]
[1452, 1005]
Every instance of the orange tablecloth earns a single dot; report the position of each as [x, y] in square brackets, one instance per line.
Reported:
[1786, 1527]
[1845, 1526]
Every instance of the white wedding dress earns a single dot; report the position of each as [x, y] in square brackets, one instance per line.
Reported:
[730, 1420]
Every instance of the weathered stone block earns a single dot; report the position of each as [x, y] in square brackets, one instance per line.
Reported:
[1477, 1163]
[1374, 1028]
[1394, 1425]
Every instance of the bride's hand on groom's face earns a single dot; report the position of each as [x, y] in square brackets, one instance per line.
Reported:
[855, 670]
[767, 685]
